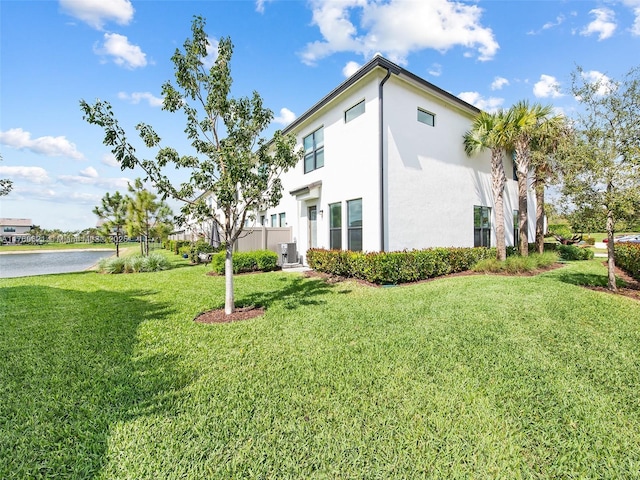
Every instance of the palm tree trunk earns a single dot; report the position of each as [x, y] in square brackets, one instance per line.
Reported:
[539, 189]
[498, 181]
[522, 162]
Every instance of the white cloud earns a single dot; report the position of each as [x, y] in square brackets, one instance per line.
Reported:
[498, 83]
[89, 172]
[635, 6]
[97, 12]
[212, 52]
[260, 5]
[603, 82]
[286, 117]
[50, 146]
[490, 104]
[603, 24]
[137, 97]
[31, 174]
[435, 70]
[108, 183]
[397, 28]
[350, 68]
[547, 87]
[110, 159]
[122, 52]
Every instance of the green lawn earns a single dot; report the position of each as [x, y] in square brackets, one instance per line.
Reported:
[465, 377]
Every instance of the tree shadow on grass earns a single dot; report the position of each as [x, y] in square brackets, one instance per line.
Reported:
[294, 291]
[582, 279]
[69, 370]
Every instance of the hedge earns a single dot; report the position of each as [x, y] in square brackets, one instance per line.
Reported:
[628, 258]
[258, 260]
[396, 267]
[571, 252]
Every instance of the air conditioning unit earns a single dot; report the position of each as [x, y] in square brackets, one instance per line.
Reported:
[287, 254]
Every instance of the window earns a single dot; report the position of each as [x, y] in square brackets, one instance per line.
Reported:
[354, 225]
[283, 220]
[481, 226]
[516, 228]
[274, 219]
[426, 117]
[354, 112]
[9, 229]
[314, 150]
[335, 226]
[262, 220]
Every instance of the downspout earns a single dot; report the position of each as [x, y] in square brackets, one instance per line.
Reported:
[381, 154]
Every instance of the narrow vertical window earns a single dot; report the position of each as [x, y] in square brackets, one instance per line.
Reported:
[354, 112]
[354, 224]
[283, 220]
[481, 226]
[426, 117]
[274, 219]
[314, 150]
[335, 226]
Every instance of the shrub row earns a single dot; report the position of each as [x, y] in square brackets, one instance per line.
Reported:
[256, 261]
[628, 258]
[396, 267]
[571, 252]
[134, 264]
[175, 245]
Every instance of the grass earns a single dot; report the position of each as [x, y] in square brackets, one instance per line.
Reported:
[516, 264]
[107, 376]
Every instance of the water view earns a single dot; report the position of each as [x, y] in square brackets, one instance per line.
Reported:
[42, 263]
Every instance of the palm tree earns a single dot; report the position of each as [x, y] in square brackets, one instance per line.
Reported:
[488, 132]
[544, 145]
[523, 121]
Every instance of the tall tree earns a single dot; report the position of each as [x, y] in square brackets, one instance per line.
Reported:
[488, 132]
[524, 120]
[6, 185]
[113, 213]
[241, 170]
[544, 144]
[602, 162]
[146, 215]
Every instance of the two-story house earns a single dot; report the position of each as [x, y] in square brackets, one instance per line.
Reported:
[384, 169]
[15, 230]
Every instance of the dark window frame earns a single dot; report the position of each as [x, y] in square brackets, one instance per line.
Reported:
[315, 153]
[422, 113]
[354, 229]
[481, 229]
[354, 111]
[337, 244]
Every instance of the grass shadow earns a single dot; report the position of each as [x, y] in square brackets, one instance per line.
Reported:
[69, 370]
[294, 291]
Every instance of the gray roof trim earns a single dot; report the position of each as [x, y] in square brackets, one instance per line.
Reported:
[378, 62]
[305, 189]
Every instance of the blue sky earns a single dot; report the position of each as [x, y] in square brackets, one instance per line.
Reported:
[54, 53]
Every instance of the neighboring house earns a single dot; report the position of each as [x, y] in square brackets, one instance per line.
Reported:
[15, 230]
[384, 169]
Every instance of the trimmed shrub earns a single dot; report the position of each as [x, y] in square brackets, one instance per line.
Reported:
[396, 267]
[628, 258]
[571, 252]
[516, 264]
[243, 262]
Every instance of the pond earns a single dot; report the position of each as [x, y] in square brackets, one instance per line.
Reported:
[42, 263]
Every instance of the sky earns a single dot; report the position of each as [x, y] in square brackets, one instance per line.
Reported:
[53, 53]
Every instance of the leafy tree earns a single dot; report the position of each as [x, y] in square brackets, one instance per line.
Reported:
[113, 213]
[6, 185]
[544, 144]
[602, 160]
[488, 132]
[523, 121]
[146, 216]
[240, 170]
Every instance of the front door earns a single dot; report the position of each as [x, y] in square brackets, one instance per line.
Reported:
[312, 215]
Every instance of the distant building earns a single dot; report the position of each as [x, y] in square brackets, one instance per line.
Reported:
[15, 230]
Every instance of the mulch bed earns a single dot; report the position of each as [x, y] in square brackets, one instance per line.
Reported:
[218, 316]
[630, 290]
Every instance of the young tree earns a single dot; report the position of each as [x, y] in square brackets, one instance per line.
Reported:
[232, 162]
[524, 120]
[488, 132]
[602, 162]
[113, 213]
[146, 216]
[544, 144]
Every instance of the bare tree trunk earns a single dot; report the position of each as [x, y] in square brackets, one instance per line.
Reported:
[611, 262]
[539, 216]
[229, 302]
[498, 181]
